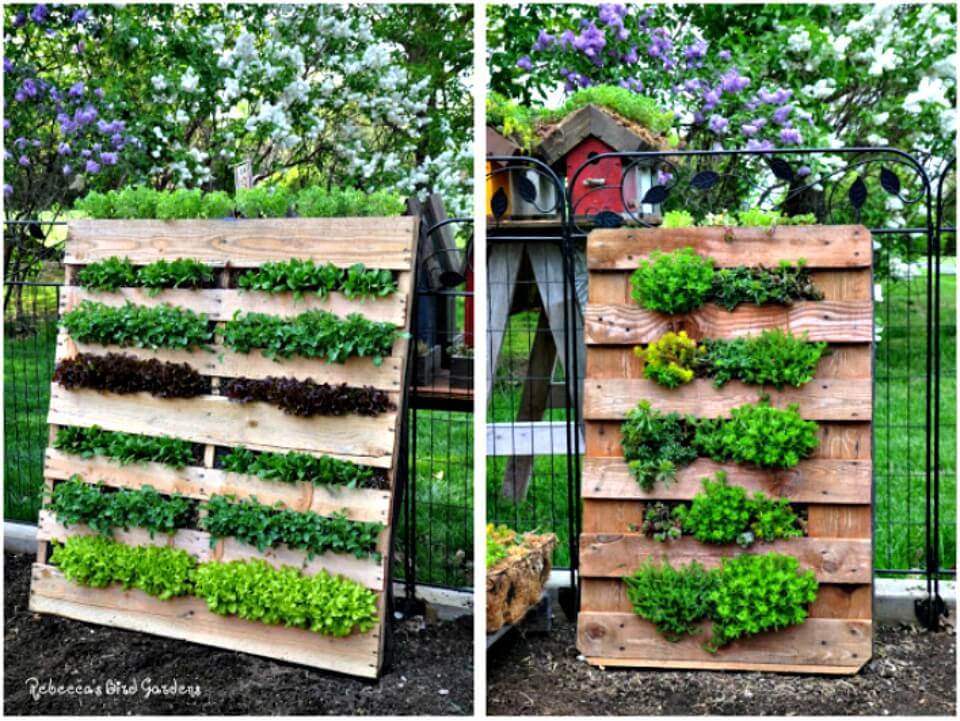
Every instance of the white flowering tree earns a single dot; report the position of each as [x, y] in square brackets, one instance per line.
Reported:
[306, 93]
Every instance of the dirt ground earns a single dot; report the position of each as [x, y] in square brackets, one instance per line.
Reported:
[432, 672]
[912, 672]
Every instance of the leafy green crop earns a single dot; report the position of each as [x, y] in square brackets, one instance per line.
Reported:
[217, 205]
[251, 589]
[319, 202]
[114, 273]
[655, 444]
[760, 435]
[674, 600]
[180, 204]
[757, 593]
[292, 467]
[748, 594]
[122, 373]
[682, 281]
[313, 334]
[264, 527]
[725, 514]
[257, 591]
[303, 276]
[75, 502]
[677, 219]
[660, 522]
[676, 282]
[164, 326]
[98, 561]
[124, 447]
[308, 398]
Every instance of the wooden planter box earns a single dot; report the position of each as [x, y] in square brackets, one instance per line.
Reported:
[835, 484]
[515, 584]
[215, 422]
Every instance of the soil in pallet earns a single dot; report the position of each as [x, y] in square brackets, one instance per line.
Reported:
[912, 673]
[432, 672]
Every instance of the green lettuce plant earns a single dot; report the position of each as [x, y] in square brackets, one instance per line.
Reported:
[676, 282]
[293, 467]
[130, 325]
[124, 448]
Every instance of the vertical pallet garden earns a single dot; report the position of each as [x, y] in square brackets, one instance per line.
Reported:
[215, 425]
[831, 489]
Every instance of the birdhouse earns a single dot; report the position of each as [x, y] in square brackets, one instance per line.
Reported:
[498, 180]
[616, 185]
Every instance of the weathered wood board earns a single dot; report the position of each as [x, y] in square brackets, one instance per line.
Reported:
[214, 422]
[834, 486]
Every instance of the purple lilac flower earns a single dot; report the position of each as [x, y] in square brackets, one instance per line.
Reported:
[724, 55]
[566, 39]
[696, 50]
[63, 149]
[660, 45]
[791, 135]
[760, 122]
[79, 15]
[35, 143]
[98, 92]
[752, 104]
[19, 20]
[631, 57]
[97, 147]
[8, 66]
[7, 189]
[86, 153]
[525, 63]
[803, 171]
[710, 99]
[23, 160]
[591, 41]
[39, 13]
[664, 177]
[6, 155]
[54, 94]
[733, 82]
[749, 129]
[753, 144]
[778, 97]
[92, 166]
[781, 114]
[6, 123]
[20, 142]
[803, 115]
[544, 40]
[108, 158]
[612, 14]
[29, 88]
[698, 117]
[67, 169]
[76, 90]
[644, 18]
[117, 140]
[718, 124]
[691, 85]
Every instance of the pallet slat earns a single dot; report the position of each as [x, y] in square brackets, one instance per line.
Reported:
[357, 504]
[821, 246]
[822, 645]
[821, 400]
[617, 555]
[832, 321]
[375, 242]
[218, 421]
[811, 481]
[188, 619]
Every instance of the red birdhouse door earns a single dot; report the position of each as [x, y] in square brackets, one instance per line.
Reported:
[597, 187]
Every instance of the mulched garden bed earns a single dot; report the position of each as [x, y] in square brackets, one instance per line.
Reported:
[432, 672]
[912, 672]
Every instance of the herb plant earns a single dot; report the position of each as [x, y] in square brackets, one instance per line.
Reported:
[108, 275]
[124, 447]
[677, 219]
[661, 523]
[307, 398]
[179, 204]
[217, 204]
[179, 273]
[655, 444]
[293, 466]
[256, 591]
[75, 502]
[759, 435]
[676, 282]
[122, 373]
[264, 202]
[672, 360]
[303, 276]
[313, 334]
[757, 593]
[97, 561]
[772, 358]
[264, 527]
[675, 601]
[320, 202]
[726, 514]
[748, 594]
[760, 286]
[164, 326]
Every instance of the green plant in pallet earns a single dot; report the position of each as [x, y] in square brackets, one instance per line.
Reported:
[124, 447]
[671, 360]
[676, 282]
[655, 445]
[301, 276]
[293, 466]
[774, 357]
[674, 600]
[164, 326]
[76, 502]
[726, 514]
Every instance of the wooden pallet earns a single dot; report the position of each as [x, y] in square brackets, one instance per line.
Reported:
[214, 422]
[835, 484]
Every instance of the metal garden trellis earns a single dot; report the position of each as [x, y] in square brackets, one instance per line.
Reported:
[788, 182]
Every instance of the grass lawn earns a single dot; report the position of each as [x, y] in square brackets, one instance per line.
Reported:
[899, 448]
